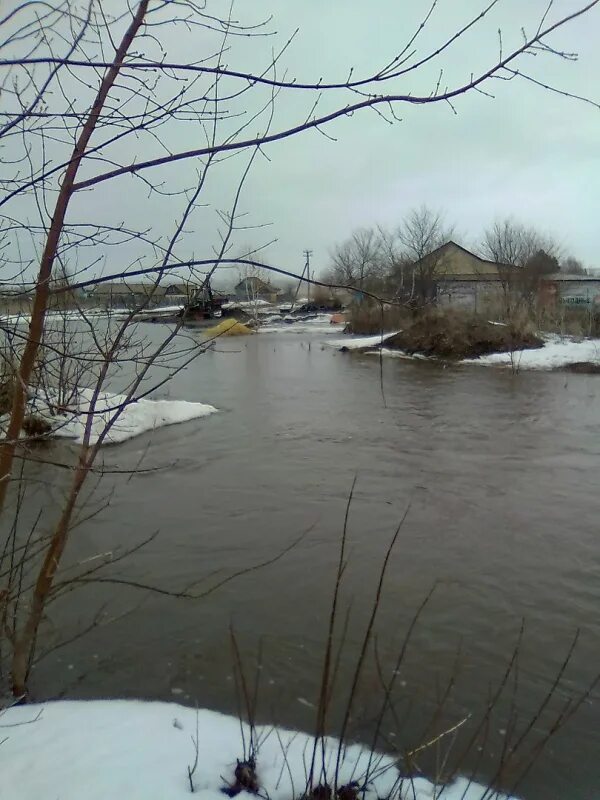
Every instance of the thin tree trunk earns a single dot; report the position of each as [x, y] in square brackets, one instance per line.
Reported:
[23, 645]
[40, 302]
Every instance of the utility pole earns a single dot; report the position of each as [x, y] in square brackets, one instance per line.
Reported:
[307, 255]
[305, 272]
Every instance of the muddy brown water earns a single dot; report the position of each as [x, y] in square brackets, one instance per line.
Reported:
[500, 473]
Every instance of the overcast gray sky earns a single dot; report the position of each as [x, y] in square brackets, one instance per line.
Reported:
[526, 152]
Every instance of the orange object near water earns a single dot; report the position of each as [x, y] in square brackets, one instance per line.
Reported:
[336, 319]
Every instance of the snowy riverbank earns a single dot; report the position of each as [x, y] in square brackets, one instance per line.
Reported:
[558, 352]
[102, 750]
[136, 418]
[320, 324]
[361, 342]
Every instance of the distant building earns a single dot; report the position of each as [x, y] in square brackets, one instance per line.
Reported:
[462, 278]
[254, 288]
[129, 294]
[18, 298]
[576, 291]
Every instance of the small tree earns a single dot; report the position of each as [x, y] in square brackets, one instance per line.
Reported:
[542, 263]
[357, 261]
[254, 278]
[523, 255]
[420, 236]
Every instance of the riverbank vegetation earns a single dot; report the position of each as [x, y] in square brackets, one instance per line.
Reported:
[456, 334]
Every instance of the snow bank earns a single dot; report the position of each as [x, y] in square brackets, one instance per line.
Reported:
[362, 342]
[71, 314]
[141, 751]
[137, 417]
[320, 324]
[251, 304]
[157, 310]
[557, 352]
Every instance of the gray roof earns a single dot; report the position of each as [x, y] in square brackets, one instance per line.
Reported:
[124, 288]
[561, 276]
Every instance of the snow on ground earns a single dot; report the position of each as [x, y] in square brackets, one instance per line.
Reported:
[362, 342]
[8, 319]
[251, 304]
[101, 750]
[320, 324]
[138, 417]
[556, 352]
[156, 310]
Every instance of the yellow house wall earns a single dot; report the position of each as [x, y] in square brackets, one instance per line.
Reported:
[454, 261]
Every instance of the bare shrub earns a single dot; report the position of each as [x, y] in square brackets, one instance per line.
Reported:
[369, 318]
[322, 296]
[35, 426]
[569, 321]
[495, 741]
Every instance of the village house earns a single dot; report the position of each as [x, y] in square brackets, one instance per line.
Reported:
[576, 291]
[254, 288]
[128, 294]
[462, 278]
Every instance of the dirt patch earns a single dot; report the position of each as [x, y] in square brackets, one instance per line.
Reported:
[456, 336]
[245, 779]
[582, 368]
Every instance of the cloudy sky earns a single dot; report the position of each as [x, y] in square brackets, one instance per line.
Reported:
[525, 152]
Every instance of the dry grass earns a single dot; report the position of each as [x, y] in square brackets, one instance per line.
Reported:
[371, 319]
[453, 334]
[451, 745]
[564, 320]
[569, 321]
[457, 333]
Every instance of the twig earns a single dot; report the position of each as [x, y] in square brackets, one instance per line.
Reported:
[195, 741]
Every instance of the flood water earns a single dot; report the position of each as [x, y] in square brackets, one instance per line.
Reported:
[499, 474]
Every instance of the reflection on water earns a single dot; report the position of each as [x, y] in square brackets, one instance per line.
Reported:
[500, 472]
